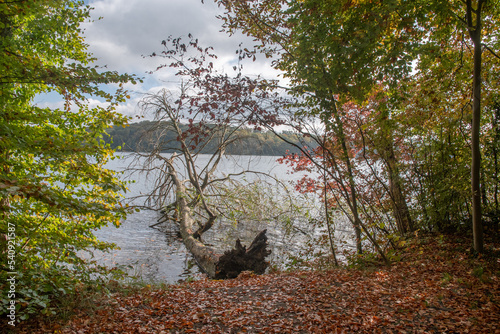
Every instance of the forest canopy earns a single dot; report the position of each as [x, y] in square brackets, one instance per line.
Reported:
[408, 93]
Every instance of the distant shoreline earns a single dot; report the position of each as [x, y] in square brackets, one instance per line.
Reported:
[130, 139]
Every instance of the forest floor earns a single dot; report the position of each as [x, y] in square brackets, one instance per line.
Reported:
[438, 286]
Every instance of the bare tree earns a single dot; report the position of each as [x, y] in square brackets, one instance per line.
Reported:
[207, 115]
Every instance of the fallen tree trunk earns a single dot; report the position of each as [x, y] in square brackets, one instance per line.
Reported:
[232, 262]
[239, 259]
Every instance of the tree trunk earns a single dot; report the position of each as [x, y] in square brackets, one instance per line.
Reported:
[399, 207]
[475, 34]
[239, 259]
[353, 200]
[231, 263]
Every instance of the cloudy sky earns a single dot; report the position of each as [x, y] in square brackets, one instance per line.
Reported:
[130, 29]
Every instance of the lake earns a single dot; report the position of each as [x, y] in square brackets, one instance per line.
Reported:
[157, 254]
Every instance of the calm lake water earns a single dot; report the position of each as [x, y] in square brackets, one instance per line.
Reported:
[158, 254]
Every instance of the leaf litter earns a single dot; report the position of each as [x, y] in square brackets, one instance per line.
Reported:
[436, 288]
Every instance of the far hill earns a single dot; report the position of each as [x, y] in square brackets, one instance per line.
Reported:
[251, 142]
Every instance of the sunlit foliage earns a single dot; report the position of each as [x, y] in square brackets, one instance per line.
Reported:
[55, 190]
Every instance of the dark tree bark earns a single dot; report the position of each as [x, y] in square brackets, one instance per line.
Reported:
[399, 207]
[239, 259]
[475, 35]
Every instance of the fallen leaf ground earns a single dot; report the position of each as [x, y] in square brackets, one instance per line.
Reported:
[438, 287]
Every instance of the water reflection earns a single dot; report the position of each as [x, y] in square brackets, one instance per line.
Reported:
[151, 254]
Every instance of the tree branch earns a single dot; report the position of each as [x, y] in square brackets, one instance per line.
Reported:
[491, 51]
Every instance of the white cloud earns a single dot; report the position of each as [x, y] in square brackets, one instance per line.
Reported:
[131, 29]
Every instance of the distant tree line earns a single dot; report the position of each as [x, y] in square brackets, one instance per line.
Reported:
[130, 138]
